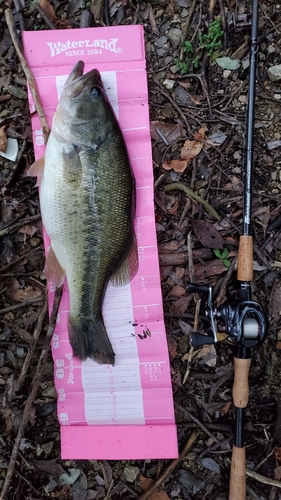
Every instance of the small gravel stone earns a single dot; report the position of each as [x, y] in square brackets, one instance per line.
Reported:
[226, 73]
[131, 473]
[243, 99]
[174, 69]
[17, 92]
[169, 84]
[175, 34]
[274, 73]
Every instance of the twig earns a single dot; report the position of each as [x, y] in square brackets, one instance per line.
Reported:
[264, 459]
[20, 305]
[44, 16]
[36, 381]
[263, 479]
[179, 185]
[188, 414]
[177, 108]
[254, 495]
[129, 488]
[171, 467]
[188, 23]
[106, 13]
[17, 225]
[27, 481]
[40, 247]
[223, 24]
[198, 302]
[14, 171]
[202, 79]
[36, 335]
[20, 14]
[28, 74]
[226, 279]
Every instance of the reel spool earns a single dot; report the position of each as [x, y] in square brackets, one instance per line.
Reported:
[251, 328]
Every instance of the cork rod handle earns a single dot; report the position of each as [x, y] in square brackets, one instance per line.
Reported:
[245, 259]
[237, 488]
[241, 382]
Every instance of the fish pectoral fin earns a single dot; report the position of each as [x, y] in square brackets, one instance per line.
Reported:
[72, 167]
[36, 168]
[53, 270]
[128, 267]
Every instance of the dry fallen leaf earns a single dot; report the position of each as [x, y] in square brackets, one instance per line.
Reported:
[3, 139]
[168, 132]
[172, 347]
[207, 234]
[212, 268]
[185, 85]
[207, 354]
[277, 473]
[191, 149]
[21, 294]
[30, 230]
[49, 467]
[176, 381]
[73, 7]
[156, 495]
[177, 291]
[200, 135]
[172, 204]
[177, 165]
[171, 245]
[225, 409]
[48, 10]
[179, 306]
[277, 453]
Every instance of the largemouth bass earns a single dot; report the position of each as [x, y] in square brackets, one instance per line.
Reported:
[87, 200]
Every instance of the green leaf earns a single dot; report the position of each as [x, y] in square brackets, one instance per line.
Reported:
[217, 253]
[224, 253]
[226, 262]
[196, 62]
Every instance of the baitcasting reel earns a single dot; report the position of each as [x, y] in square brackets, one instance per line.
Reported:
[244, 321]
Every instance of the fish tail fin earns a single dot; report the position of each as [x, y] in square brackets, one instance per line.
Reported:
[88, 339]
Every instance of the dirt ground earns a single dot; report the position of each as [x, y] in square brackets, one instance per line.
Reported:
[197, 110]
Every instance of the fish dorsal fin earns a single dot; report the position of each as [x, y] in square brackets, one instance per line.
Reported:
[53, 270]
[128, 267]
[36, 169]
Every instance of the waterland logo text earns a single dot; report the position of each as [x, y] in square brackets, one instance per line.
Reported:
[84, 47]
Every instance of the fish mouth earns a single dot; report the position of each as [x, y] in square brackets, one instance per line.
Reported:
[78, 81]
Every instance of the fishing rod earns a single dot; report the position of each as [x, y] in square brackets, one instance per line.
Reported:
[243, 320]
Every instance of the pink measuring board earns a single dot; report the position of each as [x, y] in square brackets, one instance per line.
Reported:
[123, 411]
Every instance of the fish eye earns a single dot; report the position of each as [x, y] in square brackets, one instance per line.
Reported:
[96, 91]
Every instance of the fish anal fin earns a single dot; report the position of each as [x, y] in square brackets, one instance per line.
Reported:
[128, 267]
[36, 168]
[53, 270]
